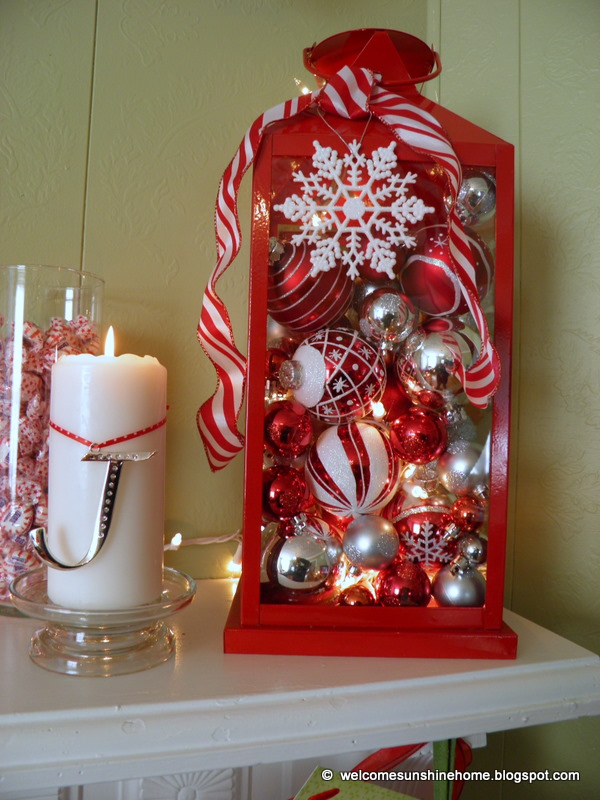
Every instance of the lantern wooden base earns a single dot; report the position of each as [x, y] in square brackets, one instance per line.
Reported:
[372, 642]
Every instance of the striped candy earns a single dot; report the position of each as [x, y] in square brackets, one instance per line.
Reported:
[351, 469]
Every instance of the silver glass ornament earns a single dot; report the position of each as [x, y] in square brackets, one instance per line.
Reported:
[473, 548]
[427, 365]
[370, 542]
[455, 586]
[387, 317]
[476, 201]
[300, 563]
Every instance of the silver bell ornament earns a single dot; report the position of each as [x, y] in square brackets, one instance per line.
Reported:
[370, 542]
[459, 584]
[387, 317]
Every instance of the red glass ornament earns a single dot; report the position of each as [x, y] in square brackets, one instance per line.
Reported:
[288, 429]
[403, 584]
[336, 374]
[467, 513]
[428, 276]
[369, 274]
[285, 492]
[422, 529]
[394, 400]
[356, 595]
[418, 436]
[300, 301]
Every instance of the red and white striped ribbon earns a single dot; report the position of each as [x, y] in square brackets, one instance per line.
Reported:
[352, 93]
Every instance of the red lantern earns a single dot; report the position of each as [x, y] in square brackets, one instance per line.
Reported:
[354, 188]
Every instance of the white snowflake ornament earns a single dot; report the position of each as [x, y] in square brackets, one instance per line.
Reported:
[354, 209]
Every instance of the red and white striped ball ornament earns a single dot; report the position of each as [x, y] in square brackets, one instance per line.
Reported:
[428, 278]
[351, 469]
[302, 302]
[336, 375]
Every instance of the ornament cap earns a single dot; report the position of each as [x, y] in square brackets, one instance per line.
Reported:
[452, 532]
[291, 374]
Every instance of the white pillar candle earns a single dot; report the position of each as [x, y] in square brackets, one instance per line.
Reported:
[99, 398]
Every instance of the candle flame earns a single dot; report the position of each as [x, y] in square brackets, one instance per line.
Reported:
[109, 342]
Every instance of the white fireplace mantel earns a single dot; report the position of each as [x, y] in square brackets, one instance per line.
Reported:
[205, 710]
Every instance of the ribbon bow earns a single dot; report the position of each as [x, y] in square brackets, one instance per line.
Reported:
[352, 93]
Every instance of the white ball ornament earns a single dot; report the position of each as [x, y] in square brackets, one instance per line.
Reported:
[335, 374]
[351, 469]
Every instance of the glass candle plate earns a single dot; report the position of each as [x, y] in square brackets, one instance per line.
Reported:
[101, 643]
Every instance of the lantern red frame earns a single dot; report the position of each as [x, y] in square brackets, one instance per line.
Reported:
[311, 628]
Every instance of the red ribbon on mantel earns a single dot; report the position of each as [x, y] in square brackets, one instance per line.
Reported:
[352, 93]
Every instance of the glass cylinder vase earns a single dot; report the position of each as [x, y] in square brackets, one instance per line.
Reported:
[45, 312]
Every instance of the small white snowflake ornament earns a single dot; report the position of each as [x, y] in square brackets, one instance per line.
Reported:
[354, 209]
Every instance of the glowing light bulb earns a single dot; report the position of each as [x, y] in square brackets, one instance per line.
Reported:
[303, 89]
[378, 410]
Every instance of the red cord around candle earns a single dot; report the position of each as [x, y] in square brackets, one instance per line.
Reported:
[108, 442]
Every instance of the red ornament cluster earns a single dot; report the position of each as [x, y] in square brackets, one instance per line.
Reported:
[374, 488]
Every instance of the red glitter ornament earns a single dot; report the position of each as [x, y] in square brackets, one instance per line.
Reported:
[285, 492]
[418, 436]
[288, 429]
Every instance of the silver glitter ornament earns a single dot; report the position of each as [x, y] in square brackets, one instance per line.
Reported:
[461, 469]
[370, 542]
[453, 586]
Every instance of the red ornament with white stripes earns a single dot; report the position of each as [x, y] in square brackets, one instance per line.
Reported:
[302, 302]
[428, 276]
[351, 469]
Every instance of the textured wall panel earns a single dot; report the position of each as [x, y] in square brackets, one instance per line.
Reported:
[46, 60]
